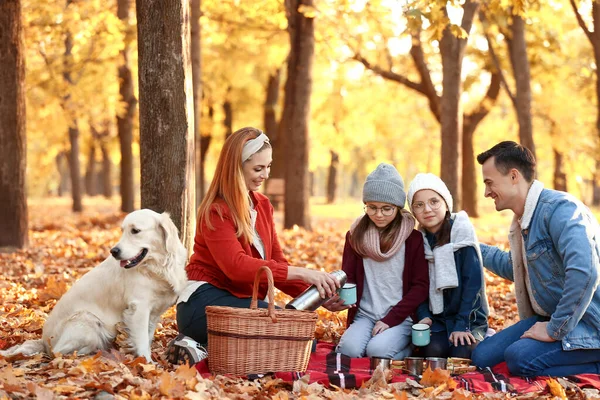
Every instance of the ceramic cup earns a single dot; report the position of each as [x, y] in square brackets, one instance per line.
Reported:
[348, 293]
[421, 334]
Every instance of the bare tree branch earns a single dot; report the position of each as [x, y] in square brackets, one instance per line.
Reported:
[581, 22]
[512, 97]
[486, 103]
[392, 76]
[418, 56]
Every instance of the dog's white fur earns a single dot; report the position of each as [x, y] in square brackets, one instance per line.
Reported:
[85, 318]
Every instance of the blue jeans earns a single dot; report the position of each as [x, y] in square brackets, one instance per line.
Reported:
[441, 347]
[530, 357]
[358, 341]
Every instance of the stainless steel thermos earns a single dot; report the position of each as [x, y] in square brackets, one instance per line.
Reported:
[310, 299]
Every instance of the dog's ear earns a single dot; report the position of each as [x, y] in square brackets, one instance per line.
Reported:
[170, 233]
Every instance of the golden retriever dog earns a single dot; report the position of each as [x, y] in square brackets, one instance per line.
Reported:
[134, 286]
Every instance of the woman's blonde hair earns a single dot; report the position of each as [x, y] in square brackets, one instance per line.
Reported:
[229, 184]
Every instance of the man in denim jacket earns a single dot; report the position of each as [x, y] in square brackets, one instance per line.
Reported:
[554, 262]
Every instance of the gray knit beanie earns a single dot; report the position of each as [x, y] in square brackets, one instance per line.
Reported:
[384, 185]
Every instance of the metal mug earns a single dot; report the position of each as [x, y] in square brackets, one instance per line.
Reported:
[385, 363]
[436, 362]
[414, 365]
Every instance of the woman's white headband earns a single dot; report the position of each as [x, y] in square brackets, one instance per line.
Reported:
[253, 145]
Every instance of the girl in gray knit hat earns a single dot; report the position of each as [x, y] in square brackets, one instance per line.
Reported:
[384, 257]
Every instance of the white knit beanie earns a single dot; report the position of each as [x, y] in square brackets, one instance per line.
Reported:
[429, 181]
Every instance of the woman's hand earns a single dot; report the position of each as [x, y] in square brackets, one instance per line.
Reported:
[538, 332]
[336, 304]
[325, 283]
[379, 327]
[426, 320]
[462, 338]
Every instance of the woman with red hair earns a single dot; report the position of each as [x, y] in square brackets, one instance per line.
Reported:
[235, 236]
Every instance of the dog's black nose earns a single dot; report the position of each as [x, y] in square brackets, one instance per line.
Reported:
[115, 251]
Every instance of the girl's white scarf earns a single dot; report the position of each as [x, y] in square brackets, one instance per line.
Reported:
[442, 267]
[372, 237]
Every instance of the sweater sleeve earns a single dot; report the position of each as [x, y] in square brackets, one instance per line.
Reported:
[228, 253]
[418, 287]
[349, 261]
[472, 282]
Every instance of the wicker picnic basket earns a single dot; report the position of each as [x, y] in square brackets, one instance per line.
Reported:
[245, 341]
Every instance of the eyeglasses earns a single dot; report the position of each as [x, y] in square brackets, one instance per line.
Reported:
[433, 203]
[386, 211]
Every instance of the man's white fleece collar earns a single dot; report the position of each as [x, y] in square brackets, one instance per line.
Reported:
[535, 191]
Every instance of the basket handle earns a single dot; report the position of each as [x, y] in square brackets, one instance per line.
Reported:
[271, 291]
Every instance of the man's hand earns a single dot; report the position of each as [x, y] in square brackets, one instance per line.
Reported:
[426, 320]
[379, 327]
[538, 332]
[461, 338]
[336, 304]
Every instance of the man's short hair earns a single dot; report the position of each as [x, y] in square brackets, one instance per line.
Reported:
[508, 155]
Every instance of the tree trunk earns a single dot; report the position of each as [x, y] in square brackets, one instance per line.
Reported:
[469, 175]
[279, 165]
[270, 117]
[228, 120]
[166, 112]
[332, 176]
[196, 51]
[298, 88]
[452, 50]
[90, 173]
[270, 107]
[13, 152]
[560, 178]
[62, 166]
[125, 121]
[517, 48]
[106, 177]
[596, 176]
[73, 128]
[205, 139]
[470, 123]
[451, 116]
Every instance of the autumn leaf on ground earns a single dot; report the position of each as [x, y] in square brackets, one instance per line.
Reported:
[438, 377]
[556, 389]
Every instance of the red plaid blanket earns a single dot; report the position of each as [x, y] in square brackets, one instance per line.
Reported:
[327, 367]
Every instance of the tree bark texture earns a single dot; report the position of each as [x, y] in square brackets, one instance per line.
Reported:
[205, 139]
[74, 164]
[196, 52]
[126, 120]
[517, 48]
[270, 120]
[167, 112]
[470, 123]
[298, 91]
[13, 151]
[106, 178]
[90, 172]
[332, 176]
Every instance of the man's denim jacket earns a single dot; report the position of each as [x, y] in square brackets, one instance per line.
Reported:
[563, 251]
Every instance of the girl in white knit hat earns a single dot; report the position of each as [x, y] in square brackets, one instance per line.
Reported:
[384, 257]
[457, 309]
